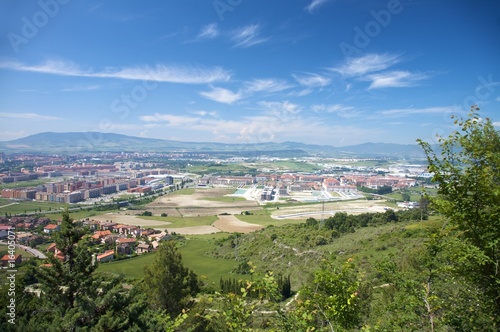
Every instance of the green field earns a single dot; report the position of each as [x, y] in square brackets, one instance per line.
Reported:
[263, 217]
[130, 268]
[183, 221]
[293, 166]
[208, 268]
[3, 250]
[20, 207]
[229, 168]
[185, 191]
[27, 184]
[193, 252]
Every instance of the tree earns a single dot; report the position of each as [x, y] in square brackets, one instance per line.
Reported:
[468, 173]
[333, 299]
[65, 281]
[168, 282]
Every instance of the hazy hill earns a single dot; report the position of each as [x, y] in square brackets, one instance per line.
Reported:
[72, 142]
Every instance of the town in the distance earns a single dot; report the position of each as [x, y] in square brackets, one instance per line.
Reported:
[116, 192]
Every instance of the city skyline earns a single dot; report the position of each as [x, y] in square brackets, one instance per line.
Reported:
[233, 71]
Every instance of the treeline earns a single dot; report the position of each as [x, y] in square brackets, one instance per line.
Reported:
[241, 287]
[342, 222]
[379, 191]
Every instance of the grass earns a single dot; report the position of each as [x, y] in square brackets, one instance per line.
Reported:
[230, 168]
[185, 191]
[208, 268]
[4, 248]
[295, 166]
[28, 206]
[131, 268]
[263, 217]
[26, 184]
[194, 257]
[183, 221]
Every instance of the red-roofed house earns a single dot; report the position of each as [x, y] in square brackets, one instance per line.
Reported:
[51, 228]
[52, 248]
[16, 259]
[100, 234]
[125, 245]
[108, 255]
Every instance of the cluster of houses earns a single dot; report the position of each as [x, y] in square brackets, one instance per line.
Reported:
[123, 239]
[118, 238]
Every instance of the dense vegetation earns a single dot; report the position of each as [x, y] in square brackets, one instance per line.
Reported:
[405, 271]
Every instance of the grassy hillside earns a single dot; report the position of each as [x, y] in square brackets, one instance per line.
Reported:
[290, 249]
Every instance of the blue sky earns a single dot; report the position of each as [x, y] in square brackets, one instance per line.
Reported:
[336, 72]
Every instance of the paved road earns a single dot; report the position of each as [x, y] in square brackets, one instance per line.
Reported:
[33, 251]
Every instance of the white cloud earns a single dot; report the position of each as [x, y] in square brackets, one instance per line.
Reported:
[281, 107]
[204, 113]
[448, 110]
[496, 124]
[209, 31]
[314, 4]
[312, 80]
[170, 119]
[29, 116]
[159, 73]
[280, 121]
[340, 110]
[222, 95]
[81, 88]
[301, 93]
[247, 36]
[366, 64]
[395, 79]
[331, 108]
[266, 85]
[11, 135]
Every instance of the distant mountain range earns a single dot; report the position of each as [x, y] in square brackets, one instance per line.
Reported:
[88, 142]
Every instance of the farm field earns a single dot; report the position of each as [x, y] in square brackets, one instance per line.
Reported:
[318, 210]
[17, 207]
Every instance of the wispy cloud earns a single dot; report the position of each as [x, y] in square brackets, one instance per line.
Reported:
[171, 119]
[28, 116]
[312, 80]
[266, 85]
[81, 88]
[496, 124]
[247, 36]
[398, 112]
[209, 31]
[395, 79]
[367, 64]
[314, 4]
[205, 113]
[340, 110]
[159, 73]
[222, 95]
[270, 126]
[330, 108]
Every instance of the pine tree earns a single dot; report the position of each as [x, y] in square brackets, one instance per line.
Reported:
[168, 282]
